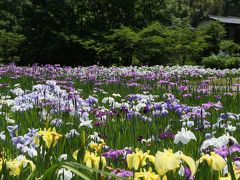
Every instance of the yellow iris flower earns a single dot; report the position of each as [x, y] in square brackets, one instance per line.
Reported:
[97, 147]
[92, 160]
[50, 136]
[190, 162]
[226, 178]
[146, 175]
[138, 159]
[16, 165]
[215, 161]
[236, 171]
[169, 161]
[75, 153]
[1, 163]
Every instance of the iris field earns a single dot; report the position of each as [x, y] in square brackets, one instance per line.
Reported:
[151, 123]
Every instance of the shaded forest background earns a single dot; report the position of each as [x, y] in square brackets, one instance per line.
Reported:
[119, 32]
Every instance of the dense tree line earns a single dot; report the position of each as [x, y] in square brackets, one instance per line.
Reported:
[84, 32]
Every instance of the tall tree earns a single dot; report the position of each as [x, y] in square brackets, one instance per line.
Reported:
[11, 39]
[53, 29]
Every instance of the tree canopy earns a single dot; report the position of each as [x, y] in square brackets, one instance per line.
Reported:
[84, 32]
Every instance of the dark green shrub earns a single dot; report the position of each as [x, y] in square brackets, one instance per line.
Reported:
[213, 61]
[229, 47]
[232, 62]
[221, 61]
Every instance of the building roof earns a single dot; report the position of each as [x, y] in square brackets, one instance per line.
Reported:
[226, 20]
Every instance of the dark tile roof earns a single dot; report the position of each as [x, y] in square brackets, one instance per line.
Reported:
[227, 20]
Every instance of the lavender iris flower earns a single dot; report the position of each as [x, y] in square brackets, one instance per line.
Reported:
[224, 150]
[234, 148]
[12, 130]
[26, 143]
[57, 122]
[18, 139]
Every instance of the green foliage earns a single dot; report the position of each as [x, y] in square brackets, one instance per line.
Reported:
[151, 45]
[186, 45]
[10, 44]
[221, 61]
[228, 56]
[80, 170]
[123, 42]
[72, 32]
[232, 62]
[157, 44]
[215, 34]
[11, 38]
[229, 47]
[168, 12]
[213, 61]
[10, 15]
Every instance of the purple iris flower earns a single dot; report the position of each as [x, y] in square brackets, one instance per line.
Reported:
[156, 113]
[187, 95]
[167, 134]
[223, 116]
[207, 105]
[234, 148]
[147, 109]
[179, 111]
[236, 159]
[130, 114]
[113, 154]
[158, 106]
[164, 113]
[99, 123]
[218, 97]
[122, 173]
[223, 151]
[183, 88]
[124, 109]
[187, 174]
[91, 100]
[163, 82]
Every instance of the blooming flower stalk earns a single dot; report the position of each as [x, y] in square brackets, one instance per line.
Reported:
[50, 136]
